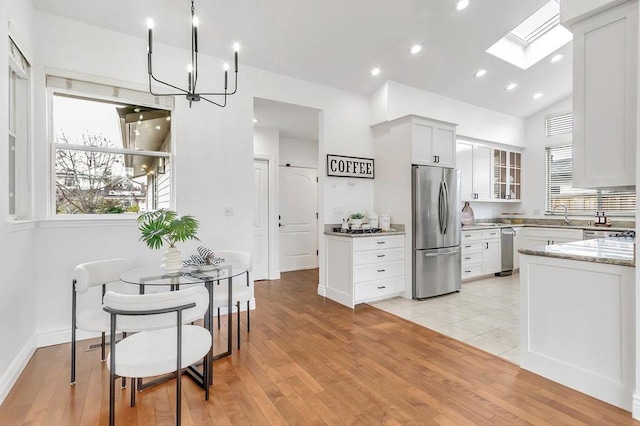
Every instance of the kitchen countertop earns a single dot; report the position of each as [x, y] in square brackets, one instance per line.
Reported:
[600, 250]
[532, 225]
[398, 229]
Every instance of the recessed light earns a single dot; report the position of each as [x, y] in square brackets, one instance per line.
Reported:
[158, 127]
[375, 71]
[461, 4]
[136, 110]
[141, 117]
[537, 96]
[255, 120]
[415, 49]
[511, 86]
[169, 118]
[480, 72]
[556, 58]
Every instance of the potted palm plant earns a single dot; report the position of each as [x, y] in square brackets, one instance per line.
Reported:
[164, 226]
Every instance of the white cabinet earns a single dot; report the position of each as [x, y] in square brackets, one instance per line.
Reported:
[474, 162]
[605, 73]
[536, 237]
[363, 269]
[481, 253]
[507, 175]
[433, 143]
[518, 243]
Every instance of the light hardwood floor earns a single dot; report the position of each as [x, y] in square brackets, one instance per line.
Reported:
[311, 361]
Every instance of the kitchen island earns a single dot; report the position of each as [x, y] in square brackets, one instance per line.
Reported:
[578, 316]
[364, 267]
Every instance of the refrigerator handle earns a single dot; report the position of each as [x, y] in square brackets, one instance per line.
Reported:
[446, 207]
[454, 251]
[441, 207]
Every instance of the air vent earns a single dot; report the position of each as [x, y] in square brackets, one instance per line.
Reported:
[559, 124]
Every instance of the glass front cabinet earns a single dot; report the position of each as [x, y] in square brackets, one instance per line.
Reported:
[507, 175]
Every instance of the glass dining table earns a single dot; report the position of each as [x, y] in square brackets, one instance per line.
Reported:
[156, 277]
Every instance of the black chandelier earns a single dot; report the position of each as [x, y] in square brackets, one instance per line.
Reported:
[192, 69]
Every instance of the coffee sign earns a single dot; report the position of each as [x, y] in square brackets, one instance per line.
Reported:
[338, 165]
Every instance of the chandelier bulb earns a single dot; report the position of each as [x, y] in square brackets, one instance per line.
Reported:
[226, 66]
[150, 23]
[189, 68]
[236, 46]
[195, 21]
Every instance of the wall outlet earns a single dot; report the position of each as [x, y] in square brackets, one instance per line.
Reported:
[228, 211]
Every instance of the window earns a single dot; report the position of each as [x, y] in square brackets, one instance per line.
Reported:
[107, 147]
[559, 173]
[559, 124]
[19, 166]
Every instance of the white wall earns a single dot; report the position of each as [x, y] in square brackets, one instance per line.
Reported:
[533, 158]
[17, 249]
[298, 152]
[473, 121]
[214, 155]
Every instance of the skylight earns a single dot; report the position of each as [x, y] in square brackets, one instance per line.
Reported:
[535, 38]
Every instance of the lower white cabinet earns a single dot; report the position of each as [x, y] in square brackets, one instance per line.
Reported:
[518, 243]
[536, 237]
[481, 252]
[364, 269]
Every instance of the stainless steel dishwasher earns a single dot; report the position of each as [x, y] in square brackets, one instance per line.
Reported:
[506, 248]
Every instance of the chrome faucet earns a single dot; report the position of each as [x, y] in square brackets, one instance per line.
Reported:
[566, 220]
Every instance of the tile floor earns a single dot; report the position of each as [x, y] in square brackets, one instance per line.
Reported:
[485, 314]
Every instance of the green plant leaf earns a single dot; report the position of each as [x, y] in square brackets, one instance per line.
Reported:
[163, 225]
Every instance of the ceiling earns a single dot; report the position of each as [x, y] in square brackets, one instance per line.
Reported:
[337, 42]
[293, 121]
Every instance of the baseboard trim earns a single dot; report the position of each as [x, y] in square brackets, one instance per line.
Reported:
[322, 290]
[16, 367]
[635, 406]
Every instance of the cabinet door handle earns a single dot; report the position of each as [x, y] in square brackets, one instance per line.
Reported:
[467, 258]
[486, 245]
[467, 246]
[381, 270]
[467, 271]
[381, 255]
[467, 236]
[381, 287]
[381, 242]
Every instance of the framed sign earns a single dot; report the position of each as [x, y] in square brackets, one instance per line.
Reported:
[355, 167]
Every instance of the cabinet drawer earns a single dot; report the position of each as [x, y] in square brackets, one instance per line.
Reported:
[377, 243]
[378, 289]
[376, 271]
[491, 234]
[377, 256]
[469, 247]
[468, 258]
[471, 236]
[471, 271]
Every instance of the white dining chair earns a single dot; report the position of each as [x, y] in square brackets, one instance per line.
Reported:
[90, 316]
[241, 291]
[165, 342]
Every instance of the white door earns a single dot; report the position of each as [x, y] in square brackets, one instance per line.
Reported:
[261, 220]
[298, 219]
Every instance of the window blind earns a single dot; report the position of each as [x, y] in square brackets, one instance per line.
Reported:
[559, 189]
[65, 85]
[559, 124]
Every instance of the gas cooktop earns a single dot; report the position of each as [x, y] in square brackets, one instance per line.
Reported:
[358, 231]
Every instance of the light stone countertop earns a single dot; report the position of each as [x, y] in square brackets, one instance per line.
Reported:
[600, 250]
[398, 229]
[532, 225]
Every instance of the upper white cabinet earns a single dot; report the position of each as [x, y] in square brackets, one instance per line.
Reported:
[433, 143]
[605, 66]
[474, 162]
[507, 175]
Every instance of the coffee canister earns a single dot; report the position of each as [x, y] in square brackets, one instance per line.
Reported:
[372, 219]
[385, 221]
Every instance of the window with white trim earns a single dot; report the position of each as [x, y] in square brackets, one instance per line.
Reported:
[559, 189]
[19, 145]
[111, 149]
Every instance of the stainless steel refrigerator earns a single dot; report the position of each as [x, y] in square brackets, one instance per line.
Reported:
[436, 231]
